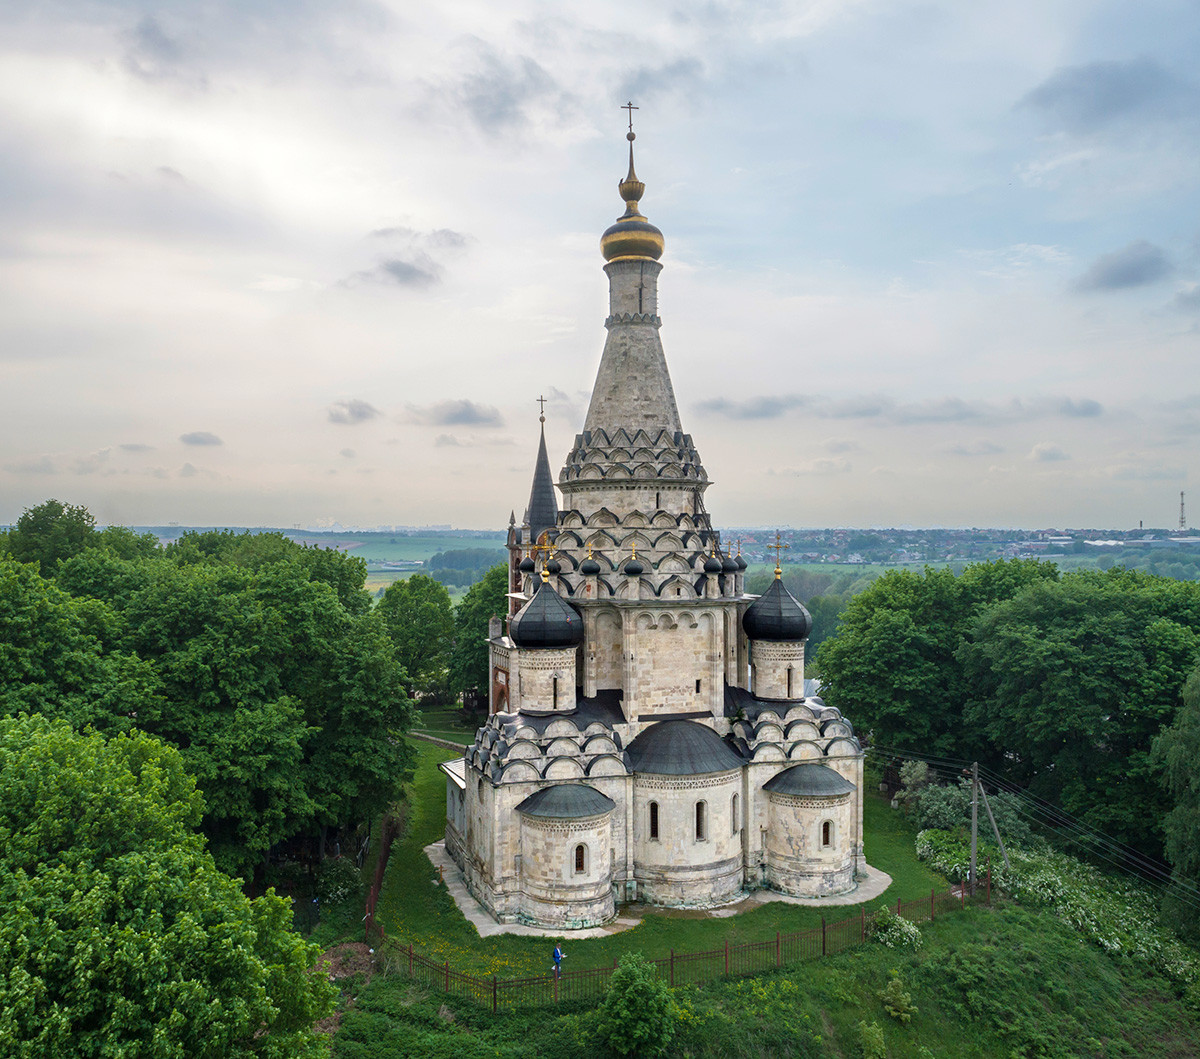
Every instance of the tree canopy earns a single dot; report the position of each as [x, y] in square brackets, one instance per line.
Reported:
[260, 660]
[420, 621]
[486, 598]
[118, 933]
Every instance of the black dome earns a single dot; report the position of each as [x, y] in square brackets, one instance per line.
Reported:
[554, 566]
[589, 567]
[682, 748]
[809, 779]
[527, 565]
[729, 565]
[712, 565]
[634, 567]
[741, 563]
[567, 801]
[777, 616]
[547, 620]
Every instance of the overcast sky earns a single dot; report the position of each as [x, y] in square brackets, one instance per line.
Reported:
[927, 263]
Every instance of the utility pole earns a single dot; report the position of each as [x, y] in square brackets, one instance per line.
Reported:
[974, 820]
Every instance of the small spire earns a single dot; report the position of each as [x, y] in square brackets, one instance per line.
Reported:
[543, 503]
[779, 548]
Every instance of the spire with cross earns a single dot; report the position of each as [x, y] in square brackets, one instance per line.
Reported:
[778, 548]
[542, 406]
[631, 108]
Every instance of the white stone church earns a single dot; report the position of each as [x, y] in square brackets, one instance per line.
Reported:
[649, 738]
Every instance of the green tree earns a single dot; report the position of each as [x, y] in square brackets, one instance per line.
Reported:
[1073, 680]
[50, 532]
[638, 1016]
[119, 935]
[893, 667]
[485, 599]
[420, 621]
[1177, 751]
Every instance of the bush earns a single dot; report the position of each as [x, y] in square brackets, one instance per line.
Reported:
[340, 881]
[949, 809]
[638, 1016]
[870, 1040]
[893, 930]
[896, 1001]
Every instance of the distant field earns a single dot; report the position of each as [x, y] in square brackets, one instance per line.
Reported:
[387, 547]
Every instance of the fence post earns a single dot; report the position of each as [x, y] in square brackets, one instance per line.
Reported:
[822, 935]
[778, 963]
[410, 959]
[672, 968]
[494, 992]
[727, 957]
[863, 935]
[447, 976]
[897, 906]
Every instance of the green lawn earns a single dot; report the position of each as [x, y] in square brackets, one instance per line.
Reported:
[414, 909]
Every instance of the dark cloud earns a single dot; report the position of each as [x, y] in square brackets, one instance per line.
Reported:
[1136, 265]
[397, 232]
[347, 413]
[455, 413]
[152, 54]
[447, 239]
[421, 271]
[446, 441]
[942, 410]
[653, 82]
[1044, 452]
[188, 471]
[32, 465]
[136, 446]
[200, 437]
[1082, 99]
[498, 90]
[347, 454]
[974, 448]
[1187, 301]
[767, 407]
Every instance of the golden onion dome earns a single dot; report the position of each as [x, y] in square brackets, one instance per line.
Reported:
[632, 236]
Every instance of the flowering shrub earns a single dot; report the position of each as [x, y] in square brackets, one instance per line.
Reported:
[339, 881]
[1117, 914]
[893, 930]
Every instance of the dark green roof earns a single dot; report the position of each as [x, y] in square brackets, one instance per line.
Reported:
[566, 801]
[818, 781]
[546, 621]
[682, 748]
[777, 616]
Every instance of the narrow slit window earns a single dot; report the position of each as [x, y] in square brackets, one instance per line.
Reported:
[654, 819]
[554, 691]
[827, 833]
[701, 821]
[789, 691]
[580, 860]
[733, 816]
[697, 687]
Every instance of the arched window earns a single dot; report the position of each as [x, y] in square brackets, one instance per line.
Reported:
[827, 834]
[554, 692]
[789, 691]
[580, 859]
[701, 821]
[735, 825]
[654, 820]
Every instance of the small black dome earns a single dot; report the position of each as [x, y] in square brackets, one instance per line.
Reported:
[712, 565]
[554, 566]
[809, 780]
[777, 616]
[527, 565]
[682, 748]
[729, 565]
[589, 567]
[634, 567]
[547, 620]
[741, 563]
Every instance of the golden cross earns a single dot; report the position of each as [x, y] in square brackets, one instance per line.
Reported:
[589, 549]
[779, 548]
[542, 404]
[631, 108]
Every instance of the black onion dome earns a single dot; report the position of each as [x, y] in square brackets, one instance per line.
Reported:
[777, 616]
[729, 565]
[589, 567]
[567, 801]
[634, 567]
[547, 620]
[527, 565]
[809, 779]
[712, 565]
[682, 748]
[741, 563]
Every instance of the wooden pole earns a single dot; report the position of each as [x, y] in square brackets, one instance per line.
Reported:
[822, 935]
[974, 820]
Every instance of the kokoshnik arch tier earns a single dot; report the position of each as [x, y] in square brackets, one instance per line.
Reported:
[649, 736]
